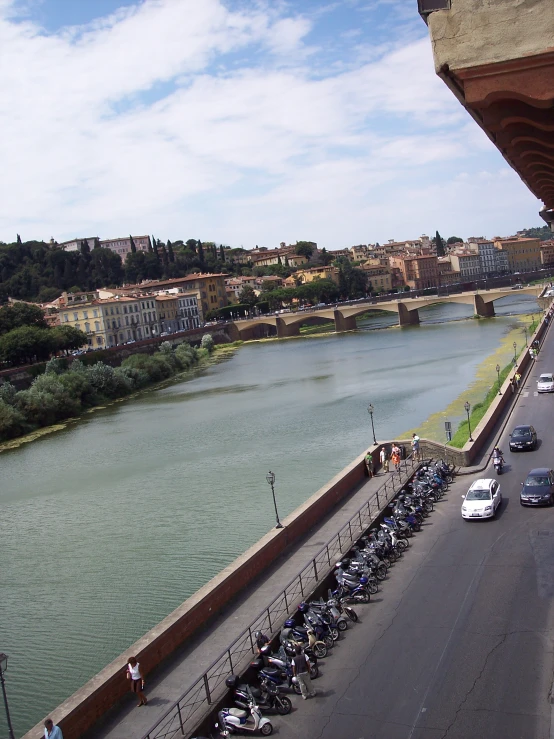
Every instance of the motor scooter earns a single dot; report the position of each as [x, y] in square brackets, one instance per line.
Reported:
[498, 465]
[233, 720]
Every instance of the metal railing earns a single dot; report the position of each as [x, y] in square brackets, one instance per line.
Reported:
[186, 713]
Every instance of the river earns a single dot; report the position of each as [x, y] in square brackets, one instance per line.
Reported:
[108, 525]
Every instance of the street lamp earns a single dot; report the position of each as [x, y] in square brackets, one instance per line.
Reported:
[515, 351]
[270, 477]
[370, 411]
[498, 375]
[467, 407]
[3, 668]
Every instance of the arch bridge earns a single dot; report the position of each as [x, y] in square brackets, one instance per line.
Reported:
[344, 315]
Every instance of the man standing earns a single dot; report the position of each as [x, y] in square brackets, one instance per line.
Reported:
[369, 463]
[51, 731]
[415, 446]
[301, 670]
[395, 456]
[517, 378]
[384, 459]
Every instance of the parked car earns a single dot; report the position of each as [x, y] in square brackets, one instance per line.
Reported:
[523, 438]
[545, 383]
[482, 499]
[517, 287]
[538, 488]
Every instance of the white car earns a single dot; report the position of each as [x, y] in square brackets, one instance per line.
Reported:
[482, 499]
[545, 383]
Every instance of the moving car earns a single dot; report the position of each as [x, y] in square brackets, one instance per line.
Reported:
[482, 499]
[545, 383]
[538, 488]
[523, 438]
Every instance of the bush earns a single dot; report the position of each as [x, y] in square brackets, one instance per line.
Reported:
[7, 393]
[186, 355]
[207, 342]
[54, 366]
[12, 422]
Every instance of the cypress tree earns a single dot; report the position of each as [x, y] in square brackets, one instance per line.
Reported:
[439, 245]
[170, 253]
[18, 239]
[200, 251]
[133, 247]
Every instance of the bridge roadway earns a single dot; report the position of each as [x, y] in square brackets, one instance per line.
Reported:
[459, 643]
[344, 314]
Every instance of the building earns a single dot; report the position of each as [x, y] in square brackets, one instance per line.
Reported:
[379, 276]
[168, 313]
[122, 246]
[497, 59]
[359, 253]
[149, 316]
[122, 319]
[547, 253]
[493, 261]
[71, 299]
[89, 318]
[317, 273]
[447, 275]
[418, 272]
[76, 244]
[467, 263]
[523, 254]
[189, 317]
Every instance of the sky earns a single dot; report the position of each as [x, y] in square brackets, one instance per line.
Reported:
[244, 122]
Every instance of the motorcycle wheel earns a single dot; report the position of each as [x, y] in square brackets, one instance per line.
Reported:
[449, 479]
[283, 705]
[314, 671]
[372, 587]
[334, 633]
[402, 544]
[428, 506]
[351, 613]
[320, 650]
[381, 572]
[363, 596]
[297, 689]
[417, 526]
[266, 729]
[342, 625]
[329, 643]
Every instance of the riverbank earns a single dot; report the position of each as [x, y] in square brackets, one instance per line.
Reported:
[220, 353]
[486, 379]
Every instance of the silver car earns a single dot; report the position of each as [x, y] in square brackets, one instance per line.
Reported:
[545, 383]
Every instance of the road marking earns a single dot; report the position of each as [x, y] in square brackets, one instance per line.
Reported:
[525, 395]
[535, 394]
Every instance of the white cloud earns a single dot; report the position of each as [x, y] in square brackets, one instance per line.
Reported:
[181, 117]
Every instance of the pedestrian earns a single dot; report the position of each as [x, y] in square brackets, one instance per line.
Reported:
[369, 463]
[51, 731]
[301, 671]
[415, 446]
[395, 456]
[137, 680]
[513, 384]
[517, 378]
[384, 459]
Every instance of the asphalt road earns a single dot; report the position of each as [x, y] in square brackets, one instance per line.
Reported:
[458, 643]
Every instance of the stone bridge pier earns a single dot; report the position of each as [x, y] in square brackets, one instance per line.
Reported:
[407, 317]
[342, 323]
[485, 310]
[284, 329]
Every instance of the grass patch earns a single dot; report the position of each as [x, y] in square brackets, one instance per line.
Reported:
[479, 409]
[322, 328]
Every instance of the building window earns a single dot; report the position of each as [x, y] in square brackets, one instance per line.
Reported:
[87, 328]
[75, 316]
[78, 327]
[65, 317]
[97, 325]
[95, 313]
[126, 320]
[99, 340]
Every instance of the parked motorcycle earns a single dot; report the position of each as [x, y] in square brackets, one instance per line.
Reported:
[235, 720]
[267, 696]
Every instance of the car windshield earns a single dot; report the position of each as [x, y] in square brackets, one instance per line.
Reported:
[478, 495]
[537, 481]
[518, 433]
[546, 378]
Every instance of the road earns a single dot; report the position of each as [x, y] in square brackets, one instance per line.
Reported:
[459, 642]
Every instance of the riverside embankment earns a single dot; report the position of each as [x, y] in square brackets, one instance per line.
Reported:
[161, 464]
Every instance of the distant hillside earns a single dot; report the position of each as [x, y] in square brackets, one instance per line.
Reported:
[543, 233]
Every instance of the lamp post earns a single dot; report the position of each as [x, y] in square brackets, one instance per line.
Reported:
[525, 329]
[515, 351]
[498, 375]
[270, 477]
[370, 410]
[3, 668]
[467, 407]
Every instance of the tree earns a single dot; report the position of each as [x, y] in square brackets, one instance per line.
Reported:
[248, 296]
[133, 247]
[26, 344]
[454, 240]
[20, 314]
[221, 253]
[85, 248]
[18, 239]
[170, 252]
[66, 338]
[439, 245]
[150, 249]
[200, 251]
[325, 257]
[304, 248]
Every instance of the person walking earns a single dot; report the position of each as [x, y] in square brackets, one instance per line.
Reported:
[384, 459]
[301, 671]
[395, 456]
[369, 463]
[51, 730]
[137, 681]
[415, 446]
[517, 378]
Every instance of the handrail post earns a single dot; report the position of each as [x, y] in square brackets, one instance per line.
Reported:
[269, 621]
[180, 720]
[315, 571]
[230, 660]
[207, 689]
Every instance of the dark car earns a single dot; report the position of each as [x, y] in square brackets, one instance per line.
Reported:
[538, 488]
[523, 437]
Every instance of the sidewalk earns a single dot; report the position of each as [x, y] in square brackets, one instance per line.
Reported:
[167, 684]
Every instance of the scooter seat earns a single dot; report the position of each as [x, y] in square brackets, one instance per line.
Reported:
[238, 712]
[272, 672]
[301, 629]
